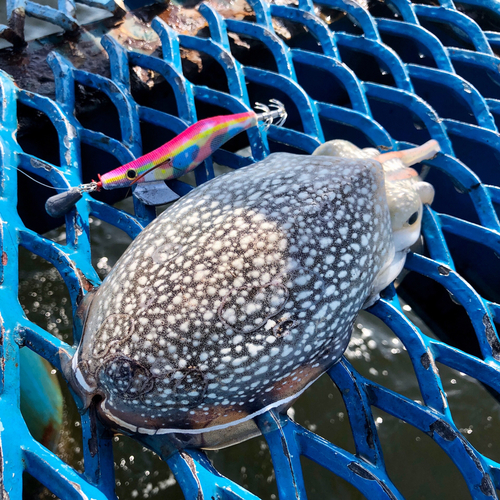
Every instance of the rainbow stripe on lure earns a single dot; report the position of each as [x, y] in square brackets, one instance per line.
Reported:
[186, 151]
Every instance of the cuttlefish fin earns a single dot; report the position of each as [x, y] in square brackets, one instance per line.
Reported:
[412, 156]
[155, 193]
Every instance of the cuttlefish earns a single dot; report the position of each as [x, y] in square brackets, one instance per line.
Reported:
[240, 295]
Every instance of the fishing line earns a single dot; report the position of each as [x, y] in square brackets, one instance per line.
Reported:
[41, 183]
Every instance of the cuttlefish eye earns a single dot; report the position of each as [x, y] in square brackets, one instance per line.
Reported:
[413, 218]
[131, 174]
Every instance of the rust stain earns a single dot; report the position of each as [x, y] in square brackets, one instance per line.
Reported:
[5, 259]
[192, 466]
[238, 9]
[188, 21]
[192, 56]
[238, 41]
[184, 21]
[137, 44]
[145, 75]
[135, 32]
[84, 282]
[49, 435]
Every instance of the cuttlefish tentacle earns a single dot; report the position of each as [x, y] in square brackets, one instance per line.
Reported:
[397, 167]
[412, 156]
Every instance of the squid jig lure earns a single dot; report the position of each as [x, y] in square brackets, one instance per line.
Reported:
[175, 158]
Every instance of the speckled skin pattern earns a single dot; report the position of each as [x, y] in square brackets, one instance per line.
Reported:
[237, 297]
[406, 193]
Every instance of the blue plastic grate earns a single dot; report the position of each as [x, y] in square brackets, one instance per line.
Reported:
[423, 51]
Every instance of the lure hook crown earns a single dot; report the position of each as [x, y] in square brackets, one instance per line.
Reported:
[275, 111]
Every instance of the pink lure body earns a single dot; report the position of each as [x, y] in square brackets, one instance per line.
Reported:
[183, 153]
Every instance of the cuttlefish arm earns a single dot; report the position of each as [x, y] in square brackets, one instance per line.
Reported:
[412, 156]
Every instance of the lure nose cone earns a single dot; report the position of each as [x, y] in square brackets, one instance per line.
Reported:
[119, 178]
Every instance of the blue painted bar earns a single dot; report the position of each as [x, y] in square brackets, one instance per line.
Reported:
[385, 56]
[461, 87]
[317, 27]
[421, 36]
[272, 42]
[456, 19]
[340, 72]
[358, 14]
[285, 454]
[56, 16]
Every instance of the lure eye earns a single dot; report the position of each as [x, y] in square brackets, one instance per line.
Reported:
[131, 174]
[413, 218]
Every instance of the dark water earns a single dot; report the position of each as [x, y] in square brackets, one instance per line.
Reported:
[417, 466]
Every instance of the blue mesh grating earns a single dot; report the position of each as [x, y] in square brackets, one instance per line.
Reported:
[423, 52]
